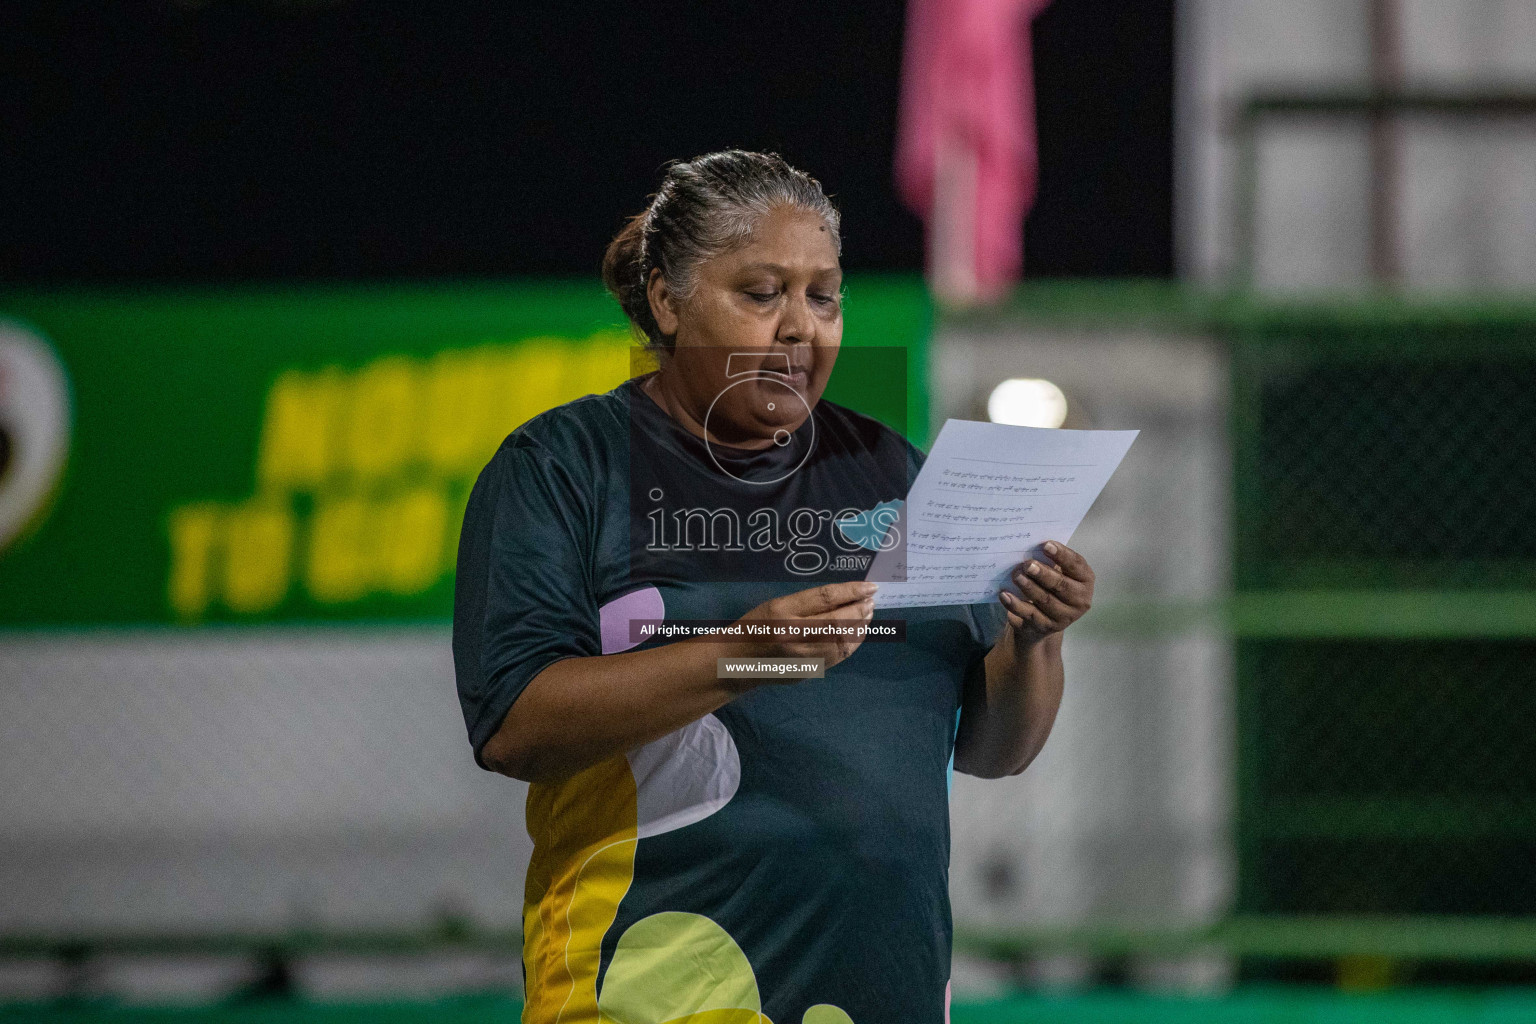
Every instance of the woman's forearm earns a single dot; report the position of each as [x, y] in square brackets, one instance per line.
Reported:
[1007, 711]
[580, 711]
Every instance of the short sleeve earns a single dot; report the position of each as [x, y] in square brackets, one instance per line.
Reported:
[522, 597]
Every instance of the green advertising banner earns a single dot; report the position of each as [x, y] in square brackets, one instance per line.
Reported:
[305, 454]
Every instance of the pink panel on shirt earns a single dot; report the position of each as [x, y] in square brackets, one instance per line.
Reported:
[645, 603]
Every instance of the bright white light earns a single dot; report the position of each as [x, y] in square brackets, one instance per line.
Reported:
[1027, 402]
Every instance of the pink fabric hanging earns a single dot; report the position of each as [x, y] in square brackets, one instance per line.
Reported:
[965, 150]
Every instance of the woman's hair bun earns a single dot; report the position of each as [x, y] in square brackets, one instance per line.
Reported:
[625, 277]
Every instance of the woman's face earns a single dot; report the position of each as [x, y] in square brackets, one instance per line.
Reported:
[756, 340]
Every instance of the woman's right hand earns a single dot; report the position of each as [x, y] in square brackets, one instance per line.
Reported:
[841, 604]
[578, 711]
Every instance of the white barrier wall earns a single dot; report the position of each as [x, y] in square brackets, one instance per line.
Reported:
[1467, 193]
[246, 780]
[1125, 815]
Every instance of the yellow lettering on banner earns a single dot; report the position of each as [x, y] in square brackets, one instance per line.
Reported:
[461, 411]
[530, 380]
[194, 535]
[258, 555]
[475, 398]
[604, 361]
[299, 430]
[454, 526]
[341, 537]
[411, 547]
[382, 418]
[390, 452]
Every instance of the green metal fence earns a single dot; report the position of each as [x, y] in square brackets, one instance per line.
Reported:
[1385, 451]
[1382, 615]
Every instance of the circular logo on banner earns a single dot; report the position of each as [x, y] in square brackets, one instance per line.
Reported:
[34, 428]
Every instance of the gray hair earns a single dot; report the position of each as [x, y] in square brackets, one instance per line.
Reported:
[705, 207]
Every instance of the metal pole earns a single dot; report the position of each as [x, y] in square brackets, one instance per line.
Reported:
[1386, 80]
[1245, 230]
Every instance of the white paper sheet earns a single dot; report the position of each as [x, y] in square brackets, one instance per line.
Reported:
[987, 497]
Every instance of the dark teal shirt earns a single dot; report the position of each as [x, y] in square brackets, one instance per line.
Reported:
[796, 841]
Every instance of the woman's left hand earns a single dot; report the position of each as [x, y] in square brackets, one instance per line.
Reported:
[1054, 596]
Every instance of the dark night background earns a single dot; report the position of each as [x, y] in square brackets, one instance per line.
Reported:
[221, 140]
